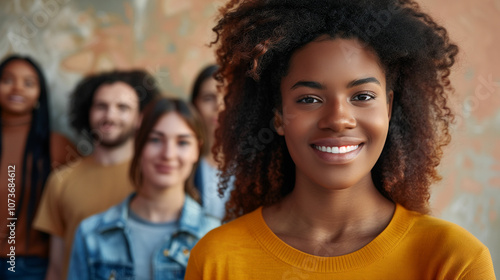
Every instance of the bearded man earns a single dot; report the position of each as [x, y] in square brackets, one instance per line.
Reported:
[105, 110]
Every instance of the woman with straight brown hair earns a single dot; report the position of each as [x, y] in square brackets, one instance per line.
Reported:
[150, 234]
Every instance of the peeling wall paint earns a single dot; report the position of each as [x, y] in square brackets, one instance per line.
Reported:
[469, 194]
[71, 39]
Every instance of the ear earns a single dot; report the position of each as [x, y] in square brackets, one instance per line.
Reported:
[278, 122]
[390, 98]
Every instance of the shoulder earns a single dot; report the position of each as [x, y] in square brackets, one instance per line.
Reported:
[62, 173]
[439, 227]
[234, 242]
[227, 237]
[62, 151]
[449, 237]
[100, 222]
[450, 246]
[59, 139]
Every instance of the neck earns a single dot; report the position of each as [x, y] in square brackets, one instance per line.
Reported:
[15, 120]
[322, 214]
[113, 155]
[159, 205]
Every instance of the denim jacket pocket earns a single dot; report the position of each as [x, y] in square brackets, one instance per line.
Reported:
[111, 271]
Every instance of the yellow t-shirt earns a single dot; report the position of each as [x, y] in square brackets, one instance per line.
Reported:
[413, 246]
[77, 191]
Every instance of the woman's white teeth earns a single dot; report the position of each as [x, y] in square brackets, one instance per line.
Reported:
[337, 150]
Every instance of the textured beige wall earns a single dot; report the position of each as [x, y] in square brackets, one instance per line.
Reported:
[71, 38]
[469, 194]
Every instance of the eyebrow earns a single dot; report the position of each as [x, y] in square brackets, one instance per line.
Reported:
[317, 85]
[124, 104]
[159, 133]
[185, 136]
[9, 74]
[309, 84]
[107, 103]
[363, 81]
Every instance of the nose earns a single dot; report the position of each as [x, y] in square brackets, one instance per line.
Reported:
[337, 116]
[18, 84]
[169, 150]
[111, 112]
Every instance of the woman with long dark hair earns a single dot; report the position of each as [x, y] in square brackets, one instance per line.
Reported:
[29, 150]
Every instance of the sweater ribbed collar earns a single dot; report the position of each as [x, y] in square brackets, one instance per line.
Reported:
[385, 242]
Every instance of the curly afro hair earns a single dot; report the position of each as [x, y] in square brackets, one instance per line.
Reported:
[82, 97]
[255, 41]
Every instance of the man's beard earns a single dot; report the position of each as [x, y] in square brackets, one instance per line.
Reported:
[114, 143]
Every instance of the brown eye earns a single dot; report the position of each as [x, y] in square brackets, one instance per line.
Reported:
[308, 100]
[363, 97]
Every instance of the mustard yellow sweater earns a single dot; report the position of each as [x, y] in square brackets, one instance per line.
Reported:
[413, 246]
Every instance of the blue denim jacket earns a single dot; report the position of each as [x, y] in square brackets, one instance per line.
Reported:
[102, 247]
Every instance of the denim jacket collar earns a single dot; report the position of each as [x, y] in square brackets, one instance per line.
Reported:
[189, 221]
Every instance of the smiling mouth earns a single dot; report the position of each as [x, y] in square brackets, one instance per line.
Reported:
[164, 169]
[16, 98]
[336, 149]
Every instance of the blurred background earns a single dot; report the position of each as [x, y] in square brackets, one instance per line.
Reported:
[169, 38]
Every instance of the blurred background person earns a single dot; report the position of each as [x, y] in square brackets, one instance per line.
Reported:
[105, 108]
[209, 101]
[150, 234]
[28, 152]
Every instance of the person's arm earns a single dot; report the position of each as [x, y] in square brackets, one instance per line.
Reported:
[56, 254]
[78, 266]
[49, 219]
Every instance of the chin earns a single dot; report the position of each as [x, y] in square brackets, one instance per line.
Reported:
[336, 184]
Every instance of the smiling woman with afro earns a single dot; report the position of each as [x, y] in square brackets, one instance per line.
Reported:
[336, 116]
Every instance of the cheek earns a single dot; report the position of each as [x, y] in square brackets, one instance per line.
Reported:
[95, 115]
[296, 132]
[132, 117]
[377, 127]
[4, 89]
[206, 110]
[3, 95]
[297, 123]
[33, 95]
[195, 154]
[149, 153]
[190, 156]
